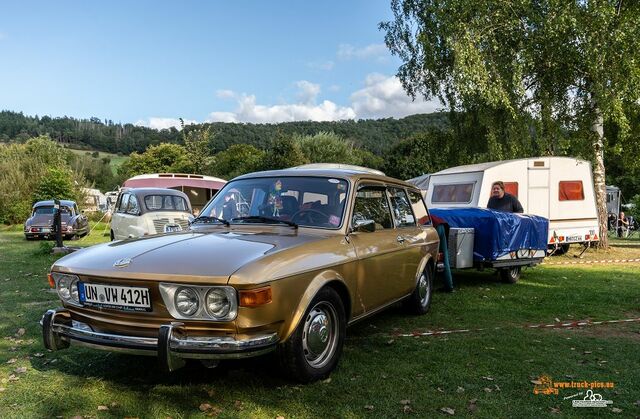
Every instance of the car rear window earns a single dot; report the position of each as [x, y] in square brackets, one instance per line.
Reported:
[49, 210]
[165, 203]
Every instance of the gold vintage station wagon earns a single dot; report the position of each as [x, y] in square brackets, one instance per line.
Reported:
[279, 260]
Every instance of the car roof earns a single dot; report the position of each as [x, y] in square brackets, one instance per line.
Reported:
[348, 172]
[139, 192]
[49, 203]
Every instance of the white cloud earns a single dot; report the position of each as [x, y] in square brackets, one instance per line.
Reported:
[164, 123]
[381, 97]
[372, 51]
[308, 92]
[249, 111]
[384, 97]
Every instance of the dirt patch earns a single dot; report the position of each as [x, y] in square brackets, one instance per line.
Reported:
[610, 330]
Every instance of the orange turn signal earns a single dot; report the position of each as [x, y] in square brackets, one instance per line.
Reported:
[52, 282]
[255, 297]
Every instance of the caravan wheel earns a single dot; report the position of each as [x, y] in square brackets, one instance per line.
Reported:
[510, 275]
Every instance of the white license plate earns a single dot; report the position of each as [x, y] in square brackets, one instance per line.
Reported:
[169, 228]
[114, 296]
[574, 238]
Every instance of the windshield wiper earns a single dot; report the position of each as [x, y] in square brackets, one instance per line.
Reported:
[206, 219]
[265, 219]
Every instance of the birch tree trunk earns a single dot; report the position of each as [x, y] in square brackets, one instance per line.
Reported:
[599, 176]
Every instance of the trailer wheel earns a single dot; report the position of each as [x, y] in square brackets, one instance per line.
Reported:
[510, 275]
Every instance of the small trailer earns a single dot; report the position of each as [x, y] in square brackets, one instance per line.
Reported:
[482, 238]
[557, 188]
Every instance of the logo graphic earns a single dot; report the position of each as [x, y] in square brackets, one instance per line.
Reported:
[122, 263]
[544, 385]
[591, 400]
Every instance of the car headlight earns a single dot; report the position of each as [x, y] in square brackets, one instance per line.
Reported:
[187, 301]
[67, 287]
[218, 304]
[196, 302]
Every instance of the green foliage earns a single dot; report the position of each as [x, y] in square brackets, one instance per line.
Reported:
[237, 160]
[420, 154]
[197, 143]
[283, 153]
[23, 166]
[55, 184]
[159, 158]
[44, 248]
[566, 66]
[327, 147]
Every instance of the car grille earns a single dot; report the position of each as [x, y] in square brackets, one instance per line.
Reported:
[161, 222]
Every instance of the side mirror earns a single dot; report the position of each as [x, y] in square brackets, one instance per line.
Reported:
[366, 226]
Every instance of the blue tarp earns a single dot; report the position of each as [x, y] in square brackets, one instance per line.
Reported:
[497, 233]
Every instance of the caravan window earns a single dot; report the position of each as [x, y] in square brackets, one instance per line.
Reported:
[511, 188]
[453, 193]
[570, 190]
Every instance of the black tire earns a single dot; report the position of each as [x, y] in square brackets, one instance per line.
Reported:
[560, 250]
[306, 360]
[112, 236]
[420, 300]
[510, 275]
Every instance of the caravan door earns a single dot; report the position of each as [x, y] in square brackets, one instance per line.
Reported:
[538, 191]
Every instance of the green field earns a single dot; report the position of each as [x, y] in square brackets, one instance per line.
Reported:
[484, 373]
[116, 160]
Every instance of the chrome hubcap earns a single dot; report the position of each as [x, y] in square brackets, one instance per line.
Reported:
[423, 289]
[320, 334]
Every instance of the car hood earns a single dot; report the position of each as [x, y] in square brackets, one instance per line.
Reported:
[179, 257]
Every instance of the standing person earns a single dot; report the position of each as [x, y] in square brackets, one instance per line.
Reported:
[502, 201]
[623, 224]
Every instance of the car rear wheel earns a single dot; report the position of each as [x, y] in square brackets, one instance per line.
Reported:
[510, 275]
[314, 348]
[420, 300]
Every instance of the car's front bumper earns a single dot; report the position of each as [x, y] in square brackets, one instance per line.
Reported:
[172, 345]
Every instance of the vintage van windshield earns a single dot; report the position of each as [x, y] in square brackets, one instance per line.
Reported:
[307, 201]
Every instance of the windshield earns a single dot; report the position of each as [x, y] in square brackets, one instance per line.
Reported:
[165, 203]
[306, 201]
[49, 210]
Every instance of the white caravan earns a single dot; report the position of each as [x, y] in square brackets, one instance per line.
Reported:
[557, 188]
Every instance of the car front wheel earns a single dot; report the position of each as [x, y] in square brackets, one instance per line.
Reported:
[420, 300]
[314, 348]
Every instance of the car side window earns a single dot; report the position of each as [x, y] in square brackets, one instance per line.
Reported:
[124, 202]
[419, 208]
[403, 215]
[133, 207]
[371, 204]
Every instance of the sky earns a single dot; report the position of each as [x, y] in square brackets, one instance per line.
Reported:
[152, 62]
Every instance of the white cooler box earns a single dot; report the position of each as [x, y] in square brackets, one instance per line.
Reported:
[460, 246]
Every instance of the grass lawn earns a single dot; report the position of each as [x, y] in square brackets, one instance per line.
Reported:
[484, 373]
[115, 160]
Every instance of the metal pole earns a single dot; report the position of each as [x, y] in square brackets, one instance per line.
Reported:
[57, 222]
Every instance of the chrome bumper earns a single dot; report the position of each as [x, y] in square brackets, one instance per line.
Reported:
[172, 345]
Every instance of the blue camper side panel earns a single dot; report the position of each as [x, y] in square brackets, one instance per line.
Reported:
[497, 233]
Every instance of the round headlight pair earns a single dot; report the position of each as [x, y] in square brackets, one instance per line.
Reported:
[217, 302]
[68, 288]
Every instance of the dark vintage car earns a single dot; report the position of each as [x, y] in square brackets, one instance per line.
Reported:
[40, 223]
[282, 260]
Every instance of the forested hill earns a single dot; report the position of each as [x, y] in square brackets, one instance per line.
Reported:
[375, 135]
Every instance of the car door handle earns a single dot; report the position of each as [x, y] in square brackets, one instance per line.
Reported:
[400, 239]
